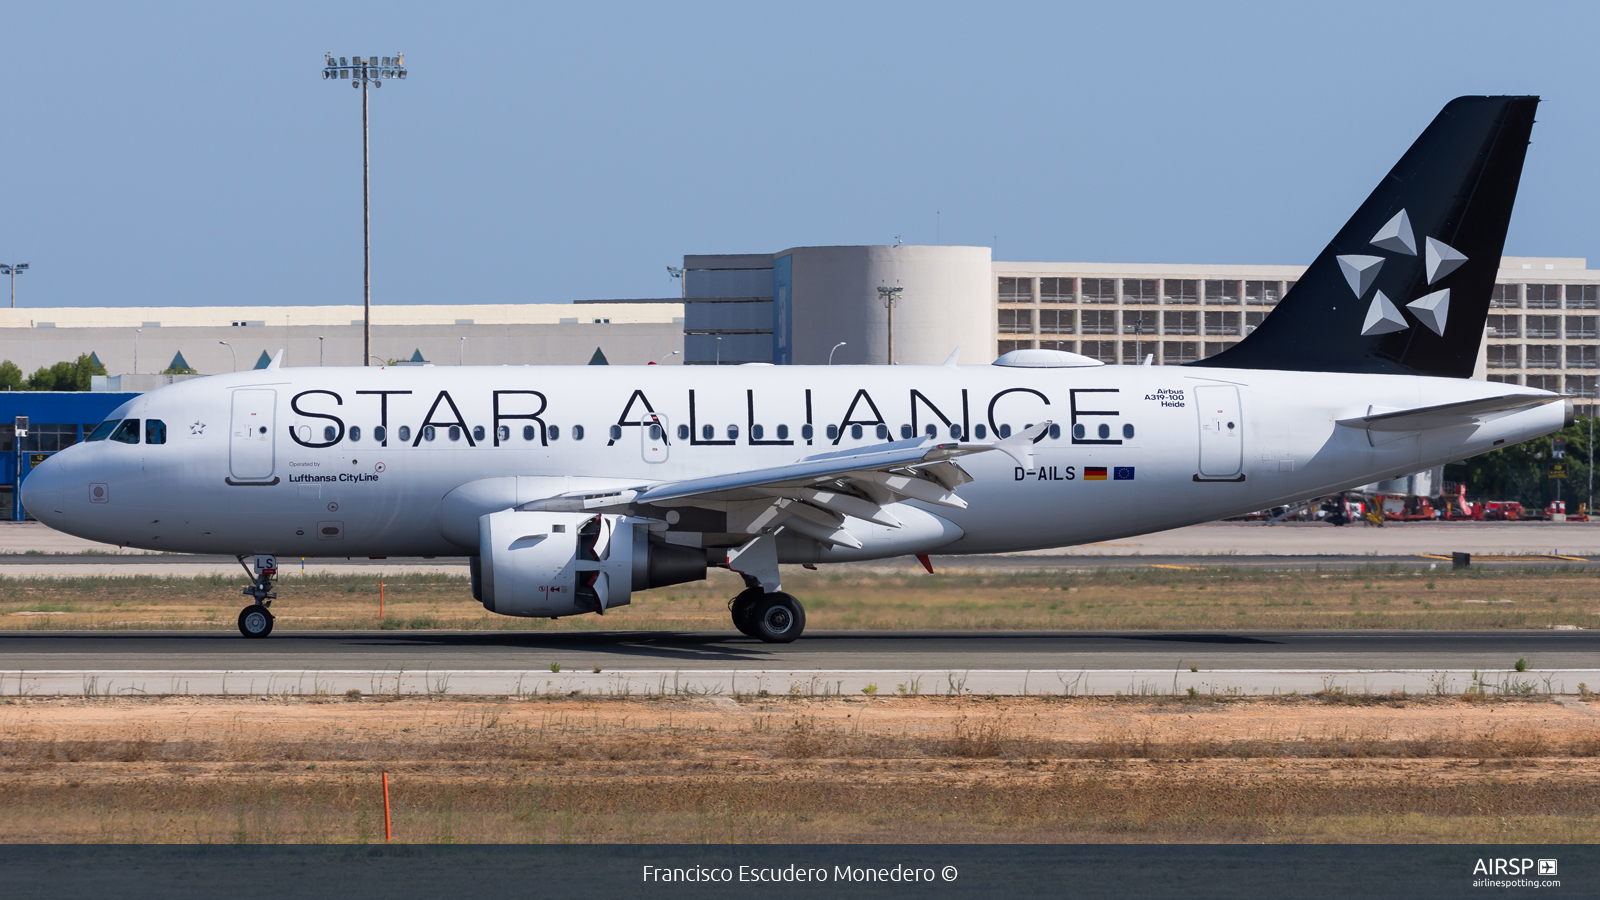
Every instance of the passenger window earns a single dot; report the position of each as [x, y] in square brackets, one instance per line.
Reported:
[756, 431]
[1005, 431]
[616, 432]
[577, 432]
[1127, 432]
[405, 432]
[380, 434]
[882, 431]
[955, 432]
[1105, 431]
[733, 432]
[833, 432]
[554, 431]
[127, 432]
[1055, 432]
[683, 432]
[429, 432]
[932, 430]
[503, 432]
[783, 432]
[328, 433]
[477, 432]
[905, 432]
[155, 432]
[707, 432]
[855, 432]
[103, 431]
[980, 431]
[355, 432]
[655, 432]
[455, 433]
[806, 432]
[528, 433]
[1077, 431]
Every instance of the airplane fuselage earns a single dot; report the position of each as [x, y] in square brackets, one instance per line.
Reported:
[360, 462]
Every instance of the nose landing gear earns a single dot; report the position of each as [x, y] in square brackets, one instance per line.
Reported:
[255, 620]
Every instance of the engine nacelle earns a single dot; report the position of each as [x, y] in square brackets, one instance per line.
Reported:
[546, 564]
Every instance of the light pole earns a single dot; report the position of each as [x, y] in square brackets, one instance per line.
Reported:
[319, 349]
[831, 352]
[891, 299]
[234, 352]
[461, 358]
[136, 333]
[13, 269]
[667, 356]
[361, 72]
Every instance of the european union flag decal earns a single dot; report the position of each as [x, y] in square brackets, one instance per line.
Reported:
[1122, 473]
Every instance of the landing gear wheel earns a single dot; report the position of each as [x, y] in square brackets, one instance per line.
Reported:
[779, 618]
[255, 621]
[743, 610]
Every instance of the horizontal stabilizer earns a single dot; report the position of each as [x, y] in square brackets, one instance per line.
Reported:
[1447, 414]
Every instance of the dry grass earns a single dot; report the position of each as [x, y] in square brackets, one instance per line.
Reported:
[866, 599]
[837, 770]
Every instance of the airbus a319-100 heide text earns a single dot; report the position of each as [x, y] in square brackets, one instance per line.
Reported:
[570, 488]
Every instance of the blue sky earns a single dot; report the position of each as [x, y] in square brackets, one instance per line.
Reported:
[190, 154]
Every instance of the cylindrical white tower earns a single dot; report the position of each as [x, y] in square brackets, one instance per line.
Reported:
[946, 301]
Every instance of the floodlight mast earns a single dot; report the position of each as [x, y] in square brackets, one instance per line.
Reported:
[361, 72]
[891, 299]
[13, 269]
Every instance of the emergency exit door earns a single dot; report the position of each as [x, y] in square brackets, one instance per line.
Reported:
[1221, 431]
[251, 434]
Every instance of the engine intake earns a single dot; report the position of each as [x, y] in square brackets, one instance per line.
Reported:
[543, 564]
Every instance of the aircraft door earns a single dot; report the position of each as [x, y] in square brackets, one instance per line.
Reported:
[1221, 431]
[655, 441]
[251, 435]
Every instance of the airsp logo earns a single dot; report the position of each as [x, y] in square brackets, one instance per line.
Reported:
[1498, 866]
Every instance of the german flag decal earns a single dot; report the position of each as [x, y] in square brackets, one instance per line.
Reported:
[1094, 473]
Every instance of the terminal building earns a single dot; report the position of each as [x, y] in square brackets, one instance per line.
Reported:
[795, 305]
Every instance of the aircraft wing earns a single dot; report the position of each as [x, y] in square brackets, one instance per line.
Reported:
[1445, 415]
[812, 496]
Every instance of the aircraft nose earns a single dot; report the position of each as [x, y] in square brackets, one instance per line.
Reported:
[44, 492]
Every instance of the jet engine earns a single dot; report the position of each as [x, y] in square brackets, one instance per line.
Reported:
[544, 564]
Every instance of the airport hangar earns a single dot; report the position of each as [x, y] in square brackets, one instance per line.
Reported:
[802, 306]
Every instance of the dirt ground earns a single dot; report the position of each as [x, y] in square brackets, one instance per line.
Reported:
[859, 769]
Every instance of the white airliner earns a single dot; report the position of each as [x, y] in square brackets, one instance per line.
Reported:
[572, 487]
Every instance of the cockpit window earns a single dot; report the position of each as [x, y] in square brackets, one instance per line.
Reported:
[155, 431]
[103, 431]
[127, 432]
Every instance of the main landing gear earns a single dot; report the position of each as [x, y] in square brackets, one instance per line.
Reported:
[776, 617]
[255, 620]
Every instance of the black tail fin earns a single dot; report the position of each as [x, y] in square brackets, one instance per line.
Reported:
[1404, 287]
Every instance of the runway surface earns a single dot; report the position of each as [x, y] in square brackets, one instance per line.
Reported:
[443, 650]
[609, 662]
